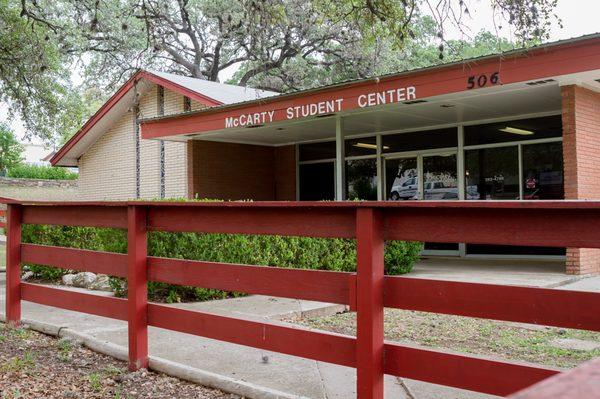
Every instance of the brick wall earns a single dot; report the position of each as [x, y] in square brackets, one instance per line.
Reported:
[240, 171]
[285, 173]
[107, 170]
[149, 149]
[581, 151]
[175, 153]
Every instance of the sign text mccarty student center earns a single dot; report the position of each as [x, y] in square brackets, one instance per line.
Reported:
[523, 125]
[323, 107]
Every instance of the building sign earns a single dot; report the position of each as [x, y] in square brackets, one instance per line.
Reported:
[324, 107]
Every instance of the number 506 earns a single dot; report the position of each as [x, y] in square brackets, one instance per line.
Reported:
[482, 80]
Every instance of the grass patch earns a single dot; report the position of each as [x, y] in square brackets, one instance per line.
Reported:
[471, 335]
[20, 363]
[94, 380]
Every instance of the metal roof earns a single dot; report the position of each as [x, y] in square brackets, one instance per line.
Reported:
[222, 92]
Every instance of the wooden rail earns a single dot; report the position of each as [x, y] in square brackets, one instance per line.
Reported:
[367, 291]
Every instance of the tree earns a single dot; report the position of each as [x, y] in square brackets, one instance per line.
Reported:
[270, 41]
[34, 77]
[280, 45]
[11, 152]
[378, 58]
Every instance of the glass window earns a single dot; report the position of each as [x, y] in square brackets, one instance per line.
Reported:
[401, 142]
[524, 129]
[492, 173]
[439, 177]
[317, 181]
[401, 179]
[363, 146]
[316, 151]
[361, 179]
[543, 171]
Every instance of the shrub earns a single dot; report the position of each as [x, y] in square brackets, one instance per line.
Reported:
[298, 252]
[23, 171]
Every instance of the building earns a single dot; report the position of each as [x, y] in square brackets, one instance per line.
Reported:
[115, 163]
[522, 125]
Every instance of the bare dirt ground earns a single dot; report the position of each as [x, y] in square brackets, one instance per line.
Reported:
[535, 344]
[34, 365]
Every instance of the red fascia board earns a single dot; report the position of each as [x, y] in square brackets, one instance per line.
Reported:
[114, 99]
[107, 106]
[534, 64]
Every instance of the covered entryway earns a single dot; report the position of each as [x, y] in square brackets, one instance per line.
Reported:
[498, 128]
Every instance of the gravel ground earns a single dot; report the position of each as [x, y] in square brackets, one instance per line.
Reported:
[514, 341]
[34, 365]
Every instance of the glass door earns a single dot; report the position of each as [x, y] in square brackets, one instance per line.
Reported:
[402, 179]
[440, 182]
[429, 177]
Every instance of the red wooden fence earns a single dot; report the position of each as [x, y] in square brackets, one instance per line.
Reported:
[2, 218]
[572, 224]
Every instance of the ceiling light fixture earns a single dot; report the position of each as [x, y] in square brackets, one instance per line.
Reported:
[514, 130]
[366, 145]
[369, 146]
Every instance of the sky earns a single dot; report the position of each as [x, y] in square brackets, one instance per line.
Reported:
[579, 17]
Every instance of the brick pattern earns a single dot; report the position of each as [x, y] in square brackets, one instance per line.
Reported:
[106, 174]
[175, 153]
[239, 171]
[150, 150]
[581, 149]
[285, 173]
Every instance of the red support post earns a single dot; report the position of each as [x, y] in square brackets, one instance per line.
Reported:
[137, 288]
[13, 264]
[369, 304]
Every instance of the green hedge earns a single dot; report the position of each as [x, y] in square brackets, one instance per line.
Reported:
[298, 252]
[24, 171]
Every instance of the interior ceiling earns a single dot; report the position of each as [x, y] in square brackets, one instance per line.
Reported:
[496, 102]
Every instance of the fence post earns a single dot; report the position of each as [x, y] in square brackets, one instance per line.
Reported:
[13, 264]
[137, 289]
[369, 288]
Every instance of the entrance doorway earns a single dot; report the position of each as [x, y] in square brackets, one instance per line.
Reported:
[424, 176]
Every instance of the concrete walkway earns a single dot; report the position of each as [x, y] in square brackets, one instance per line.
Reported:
[257, 373]
[532, 273]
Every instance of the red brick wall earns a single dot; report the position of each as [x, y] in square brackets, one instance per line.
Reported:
[240, 171]
[285, 173]
[581, 151]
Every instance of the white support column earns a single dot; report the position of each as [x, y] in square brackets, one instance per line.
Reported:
[460, 163]
[297, 159]
[380, 171]
[340, 164]
[462, 178]
[521, 192]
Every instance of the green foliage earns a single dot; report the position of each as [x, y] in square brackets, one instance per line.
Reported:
[400, 256]
[36, 67]
[296, 252]
[11, 152]
[24, 171]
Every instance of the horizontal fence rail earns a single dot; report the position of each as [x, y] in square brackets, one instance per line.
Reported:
[367, 291]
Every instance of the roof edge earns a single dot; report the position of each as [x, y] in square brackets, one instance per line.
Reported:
[358, 82]
[110, 103]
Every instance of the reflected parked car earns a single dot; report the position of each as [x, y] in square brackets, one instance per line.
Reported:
[405, 190]
[437, 190]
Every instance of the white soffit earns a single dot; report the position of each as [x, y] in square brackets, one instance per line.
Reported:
[482, 104]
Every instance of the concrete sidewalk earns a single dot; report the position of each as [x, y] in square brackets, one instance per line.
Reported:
[247, 371]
